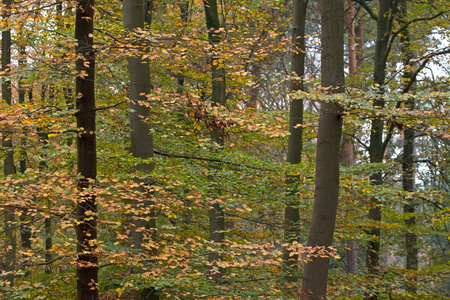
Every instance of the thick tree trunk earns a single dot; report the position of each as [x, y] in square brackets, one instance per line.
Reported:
[218, 96]
[295, 142]
[386, 12]
[134, 14]
[86, 212]
[323, 219]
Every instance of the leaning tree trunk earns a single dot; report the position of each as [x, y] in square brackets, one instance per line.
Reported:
[8, 163]
[86, 211]
[323, 218]
[216, 213]
[295, 142]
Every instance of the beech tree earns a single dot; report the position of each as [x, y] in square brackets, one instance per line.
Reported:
[295, 141]
[218, 97]
[8, 162]
[323, 219]
[134, 13]
[86, 211]
[387, 11]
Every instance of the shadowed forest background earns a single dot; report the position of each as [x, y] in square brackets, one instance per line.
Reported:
[184, 149]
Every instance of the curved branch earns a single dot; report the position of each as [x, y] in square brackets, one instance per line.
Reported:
[369, 10]
[404, 26]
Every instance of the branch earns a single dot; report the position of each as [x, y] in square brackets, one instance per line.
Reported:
[45, 263]
[391, 129]
[388, 138]
[425, 59]
[366, 6]
[427, 161]
[58, 132]
[358, 140]
[110, 106]
[35, 9]
[211, 160]
[404, 26]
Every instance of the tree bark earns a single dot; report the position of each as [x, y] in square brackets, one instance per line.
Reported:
[8, 162]
[295, 141]
[323, 218]
[134, 14]
[386, 12]
[351, 41]
[408, 173]
[347, 143]
[86, 211]
[218, 96]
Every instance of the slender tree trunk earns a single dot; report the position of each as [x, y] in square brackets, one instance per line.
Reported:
[323, 219]
[43, 139]
[8, 163]
[67, 91]
[386, 12]
[25, 231]
[184, 15]
[347, 143]
[86, 212]
[351, 42]
[409, 208]
[408, 161]
[295, 142]
[216, 214]
[352, 250]
[359, 39]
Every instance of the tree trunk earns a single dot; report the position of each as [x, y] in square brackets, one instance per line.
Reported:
[295, 142]
[351, 41]
[408, 173]
[323, 219]
[218, 96]
[86, 212]
[347, 143]
[386, 12]
[134, 14]
[25, 231]
[8, 163]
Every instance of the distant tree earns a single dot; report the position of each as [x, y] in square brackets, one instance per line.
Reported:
[8, 162]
